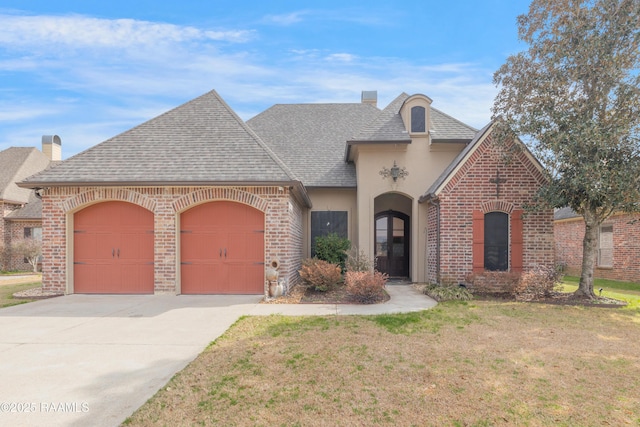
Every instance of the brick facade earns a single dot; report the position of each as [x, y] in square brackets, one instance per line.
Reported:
[283, 230]
[569, 234]
[13, 232]
[470, 189]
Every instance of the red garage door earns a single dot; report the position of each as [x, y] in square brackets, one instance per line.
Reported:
[113, 249]
[222, 249]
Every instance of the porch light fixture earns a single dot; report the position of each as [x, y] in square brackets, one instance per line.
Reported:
[395, 172]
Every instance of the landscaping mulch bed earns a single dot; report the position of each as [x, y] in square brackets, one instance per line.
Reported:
[306, 295]
[559, 298]
[36, 293]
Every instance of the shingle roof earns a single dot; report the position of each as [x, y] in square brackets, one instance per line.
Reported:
[387, 125]
[446, 128]
[311, 138]
[431, 192]
[17, 163]
[31, 210]
[202, 141]
[565, 213]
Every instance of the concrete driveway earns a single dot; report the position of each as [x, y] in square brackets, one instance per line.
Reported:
[82, 360]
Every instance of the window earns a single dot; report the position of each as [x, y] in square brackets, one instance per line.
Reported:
[496, 241]
[33, 232]
[327, 222]
[418, 119]
[605, 246]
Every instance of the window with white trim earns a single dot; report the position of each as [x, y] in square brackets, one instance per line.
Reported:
[605, 246]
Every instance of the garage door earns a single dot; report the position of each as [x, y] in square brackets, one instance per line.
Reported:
[222, 249]
[113, 249]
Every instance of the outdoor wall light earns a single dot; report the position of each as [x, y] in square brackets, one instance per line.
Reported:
[395, 172]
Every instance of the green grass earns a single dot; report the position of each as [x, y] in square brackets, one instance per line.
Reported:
[7, 291]
[625, 291]
[606, 284]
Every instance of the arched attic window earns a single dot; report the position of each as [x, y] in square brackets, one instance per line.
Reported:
[418, 119]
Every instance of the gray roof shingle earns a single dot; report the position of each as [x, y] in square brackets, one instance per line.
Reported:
[201, 141]
[431, 192]
[387, 126]
[565, 213]
[311, 139]
[445, 128]
[31, 210]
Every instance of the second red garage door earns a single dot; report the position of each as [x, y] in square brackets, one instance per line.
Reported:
[222, 249]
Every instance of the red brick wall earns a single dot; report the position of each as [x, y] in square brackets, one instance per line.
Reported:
[14, 231]
[167, 203]
[470, 189]
[626, 243]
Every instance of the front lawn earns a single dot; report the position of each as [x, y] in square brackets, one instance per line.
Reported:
[481, 363]
[625, 291]
[7, 291]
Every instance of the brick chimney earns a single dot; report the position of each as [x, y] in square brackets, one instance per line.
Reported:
[370, 97]
[52, 147]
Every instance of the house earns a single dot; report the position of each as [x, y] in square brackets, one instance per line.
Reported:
[21, 209]
[618, 245]
[198, 201]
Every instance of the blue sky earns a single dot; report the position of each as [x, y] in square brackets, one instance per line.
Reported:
[88, 70]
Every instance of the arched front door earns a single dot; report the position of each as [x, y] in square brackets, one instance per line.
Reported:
[392, 243]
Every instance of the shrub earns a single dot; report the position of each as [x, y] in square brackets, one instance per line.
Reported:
[538, 282]
[332, 248]
[366, 287]
[320, 274]
[358, 260]
[448, 292]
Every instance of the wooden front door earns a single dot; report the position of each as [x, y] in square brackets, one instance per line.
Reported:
[113, 249]
[222, 249]
[392, 243]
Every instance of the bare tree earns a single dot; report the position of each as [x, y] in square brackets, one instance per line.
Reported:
[29, 248]
[574, 97]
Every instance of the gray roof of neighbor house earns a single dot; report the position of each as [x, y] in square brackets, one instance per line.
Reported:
[17, 163]
[565, 213]
[32, 210]
[311, 138]
[200, 142]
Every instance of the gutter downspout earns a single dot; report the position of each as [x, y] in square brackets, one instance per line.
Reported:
[437, 204]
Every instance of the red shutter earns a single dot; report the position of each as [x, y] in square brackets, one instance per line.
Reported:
[516, 241]
[478, 242]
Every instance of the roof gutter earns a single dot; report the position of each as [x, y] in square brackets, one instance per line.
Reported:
[347, 151]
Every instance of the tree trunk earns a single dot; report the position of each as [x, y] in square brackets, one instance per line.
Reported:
[589, 255]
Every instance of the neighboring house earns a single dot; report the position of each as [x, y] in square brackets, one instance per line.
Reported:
[618, 245]
[198, 201]
[21, 209]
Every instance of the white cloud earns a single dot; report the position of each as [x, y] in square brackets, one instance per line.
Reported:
[285, 19]
[78, 31]
[341, 57]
